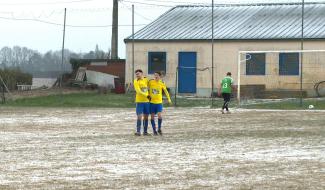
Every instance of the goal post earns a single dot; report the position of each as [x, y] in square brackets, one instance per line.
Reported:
[279, 74]
[188, 83]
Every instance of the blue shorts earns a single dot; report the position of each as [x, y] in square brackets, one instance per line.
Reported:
[155, 108]
[143, 108]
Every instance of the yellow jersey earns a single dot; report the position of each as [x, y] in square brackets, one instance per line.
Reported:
[155, 91]
[141, 89]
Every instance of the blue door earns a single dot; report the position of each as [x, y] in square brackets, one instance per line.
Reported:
[187, 72]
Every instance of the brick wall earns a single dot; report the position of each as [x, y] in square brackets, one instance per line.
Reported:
[113, 67]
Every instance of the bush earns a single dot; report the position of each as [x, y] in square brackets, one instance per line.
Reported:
[12, 77]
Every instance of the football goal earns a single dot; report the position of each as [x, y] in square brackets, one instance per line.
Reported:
[268, 76]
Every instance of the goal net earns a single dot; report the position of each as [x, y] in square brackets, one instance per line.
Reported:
[271, 76]
[191, 87]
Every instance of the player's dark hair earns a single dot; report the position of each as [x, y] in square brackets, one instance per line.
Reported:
[229, 74]
[159, 73]
[138, 70]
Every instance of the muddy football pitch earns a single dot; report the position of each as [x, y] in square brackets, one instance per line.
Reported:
[81, 148]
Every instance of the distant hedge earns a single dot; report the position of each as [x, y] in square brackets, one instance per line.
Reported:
[12, 77]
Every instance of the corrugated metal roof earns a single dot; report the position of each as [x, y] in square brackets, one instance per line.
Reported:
[237, 22]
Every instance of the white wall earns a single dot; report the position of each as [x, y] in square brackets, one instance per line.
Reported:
[101, 79]
[39, 82]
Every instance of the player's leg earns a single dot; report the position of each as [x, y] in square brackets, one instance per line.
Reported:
[145, 124]
[159, 111]
[146, 112]
[153, 124]
[139, 112]
[228, 95]
[224, 102]
[152, 114]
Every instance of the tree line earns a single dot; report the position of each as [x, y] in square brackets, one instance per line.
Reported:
[44, 65]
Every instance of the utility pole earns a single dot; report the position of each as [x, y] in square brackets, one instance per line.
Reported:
[302, 48]
[114, 44]
[63, 40]
[132, 42]
[212, 53]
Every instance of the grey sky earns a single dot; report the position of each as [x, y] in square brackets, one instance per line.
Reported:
[19, 25]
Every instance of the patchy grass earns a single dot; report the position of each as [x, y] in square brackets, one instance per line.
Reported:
[76, 100]
[318, 103]
[110, 100]
[93, 99]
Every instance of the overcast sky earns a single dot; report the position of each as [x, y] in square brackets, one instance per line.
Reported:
[38, 24]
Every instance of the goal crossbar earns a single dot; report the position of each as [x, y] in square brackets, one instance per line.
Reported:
[281, 51]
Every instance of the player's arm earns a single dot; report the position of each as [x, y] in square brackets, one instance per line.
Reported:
[233, 88]
[232, 85]
[149, 91]
[137, 89]
[167, 93]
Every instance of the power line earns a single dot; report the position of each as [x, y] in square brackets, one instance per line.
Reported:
[36, 17]
[136, 12]
[163, 3]
[46, 15]
[76, 26]
[55, 11]
[176, 2]
[59, 11]
[27, 19]
[46, 3]
[43, 14]
[150, 4]
[92, 10]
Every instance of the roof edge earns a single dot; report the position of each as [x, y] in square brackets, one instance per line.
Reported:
[98, 60]
[250, 4]
[209, 40]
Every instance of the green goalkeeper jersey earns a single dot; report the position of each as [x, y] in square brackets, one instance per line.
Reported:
[226, 84]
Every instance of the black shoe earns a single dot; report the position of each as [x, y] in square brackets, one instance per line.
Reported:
[159, 132]
[145, 134]
[155, 133]
[137, 134]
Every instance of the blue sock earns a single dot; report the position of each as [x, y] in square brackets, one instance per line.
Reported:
[145, 126]
[138, 126]
[159, 123]
[153, 124]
